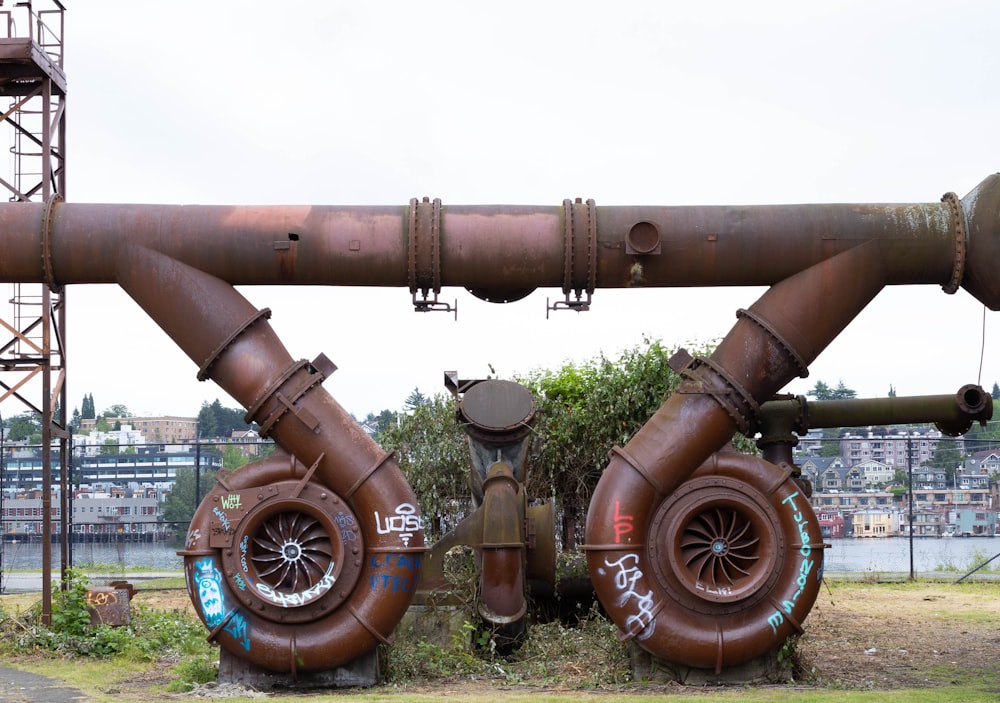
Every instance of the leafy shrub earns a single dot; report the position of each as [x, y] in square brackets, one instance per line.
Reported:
[194, 670]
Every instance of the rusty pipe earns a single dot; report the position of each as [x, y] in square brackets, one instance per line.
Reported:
[498, 249]
[502, 548]
[953, 413]
[307, 560]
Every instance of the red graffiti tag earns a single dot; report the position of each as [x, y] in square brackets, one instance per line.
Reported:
[623, 523]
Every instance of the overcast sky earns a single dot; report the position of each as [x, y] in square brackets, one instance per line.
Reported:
[651, 103]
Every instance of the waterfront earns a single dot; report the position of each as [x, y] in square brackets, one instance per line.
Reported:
[887, 555]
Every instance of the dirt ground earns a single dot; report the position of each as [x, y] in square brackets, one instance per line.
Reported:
[872, 636]
[858, 636]
[901, 636]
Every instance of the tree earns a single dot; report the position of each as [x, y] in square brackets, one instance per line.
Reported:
[434, 457]
[23, 426]
[206, 420]
[181, 503]
[233, 457]
[414, 400]
[214, 420]
[87, 411]
[380, 422]
[996, 391]
[74, 421]
[583, 412]
[948, 457]
[117, 410]
[821, 391]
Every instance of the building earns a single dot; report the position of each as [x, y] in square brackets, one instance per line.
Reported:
[168, 429]
[831, 474]
[926, 523]
[974, 522]
[97, 515]
[875, 522]
[892, 447]
[831, 524]
[875, 473]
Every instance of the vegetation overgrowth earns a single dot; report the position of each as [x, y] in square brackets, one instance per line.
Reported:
[163, 652]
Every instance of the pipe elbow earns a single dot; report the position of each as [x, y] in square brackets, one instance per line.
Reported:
[982, 221]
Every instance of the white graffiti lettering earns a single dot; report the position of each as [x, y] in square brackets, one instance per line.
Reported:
[641, 623]
[406, 521]
[292, 600]
[193, 537]
[223, 518]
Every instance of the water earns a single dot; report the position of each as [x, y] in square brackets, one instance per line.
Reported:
[892, 554]
[844, 555]
[157, 556]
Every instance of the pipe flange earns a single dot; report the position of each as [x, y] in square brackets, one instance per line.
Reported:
[424, 246]
[961, 242]
[702, 375]
[290, 559]
[48, 214]
[579, 242]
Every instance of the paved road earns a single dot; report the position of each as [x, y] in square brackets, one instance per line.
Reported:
[31, 581]
[22, 687]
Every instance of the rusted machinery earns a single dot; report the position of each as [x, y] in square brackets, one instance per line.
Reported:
[302, 561]
[513, 542]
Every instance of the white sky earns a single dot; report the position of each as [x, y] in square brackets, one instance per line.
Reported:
[652, 103]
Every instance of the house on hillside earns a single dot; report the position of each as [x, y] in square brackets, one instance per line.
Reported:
[875, 473]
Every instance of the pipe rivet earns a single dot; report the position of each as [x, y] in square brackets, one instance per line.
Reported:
[322, 496]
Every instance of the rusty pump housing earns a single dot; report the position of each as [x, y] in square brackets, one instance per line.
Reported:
[302, 561]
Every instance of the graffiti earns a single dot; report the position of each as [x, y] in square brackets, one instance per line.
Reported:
[208, 581]
[244, 543]
[805, 567]
[406, 522]
[96, 599]
[393, 583]
[622, 523]
[240, 583]
[292, 600]
[230, 502]
[239, 627]
[346, 525]
[389, 561]
[193, 536]
[719, 591]
[224, 519]
[641, 623]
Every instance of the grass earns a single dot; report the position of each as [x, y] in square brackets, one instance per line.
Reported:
[547, 669]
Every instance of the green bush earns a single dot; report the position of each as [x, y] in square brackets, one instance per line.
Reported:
[192, 671]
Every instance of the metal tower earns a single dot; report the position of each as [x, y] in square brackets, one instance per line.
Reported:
[32, 358]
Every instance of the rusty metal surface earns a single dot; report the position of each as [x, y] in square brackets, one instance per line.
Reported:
[501, 249]
[108, 605]
[181, 265]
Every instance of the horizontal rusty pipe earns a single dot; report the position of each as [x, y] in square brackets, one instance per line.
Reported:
[953, 413]
[498, 249]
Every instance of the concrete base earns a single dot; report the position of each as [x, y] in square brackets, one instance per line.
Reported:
[363, 672]
[436, 624]
[762, 670]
